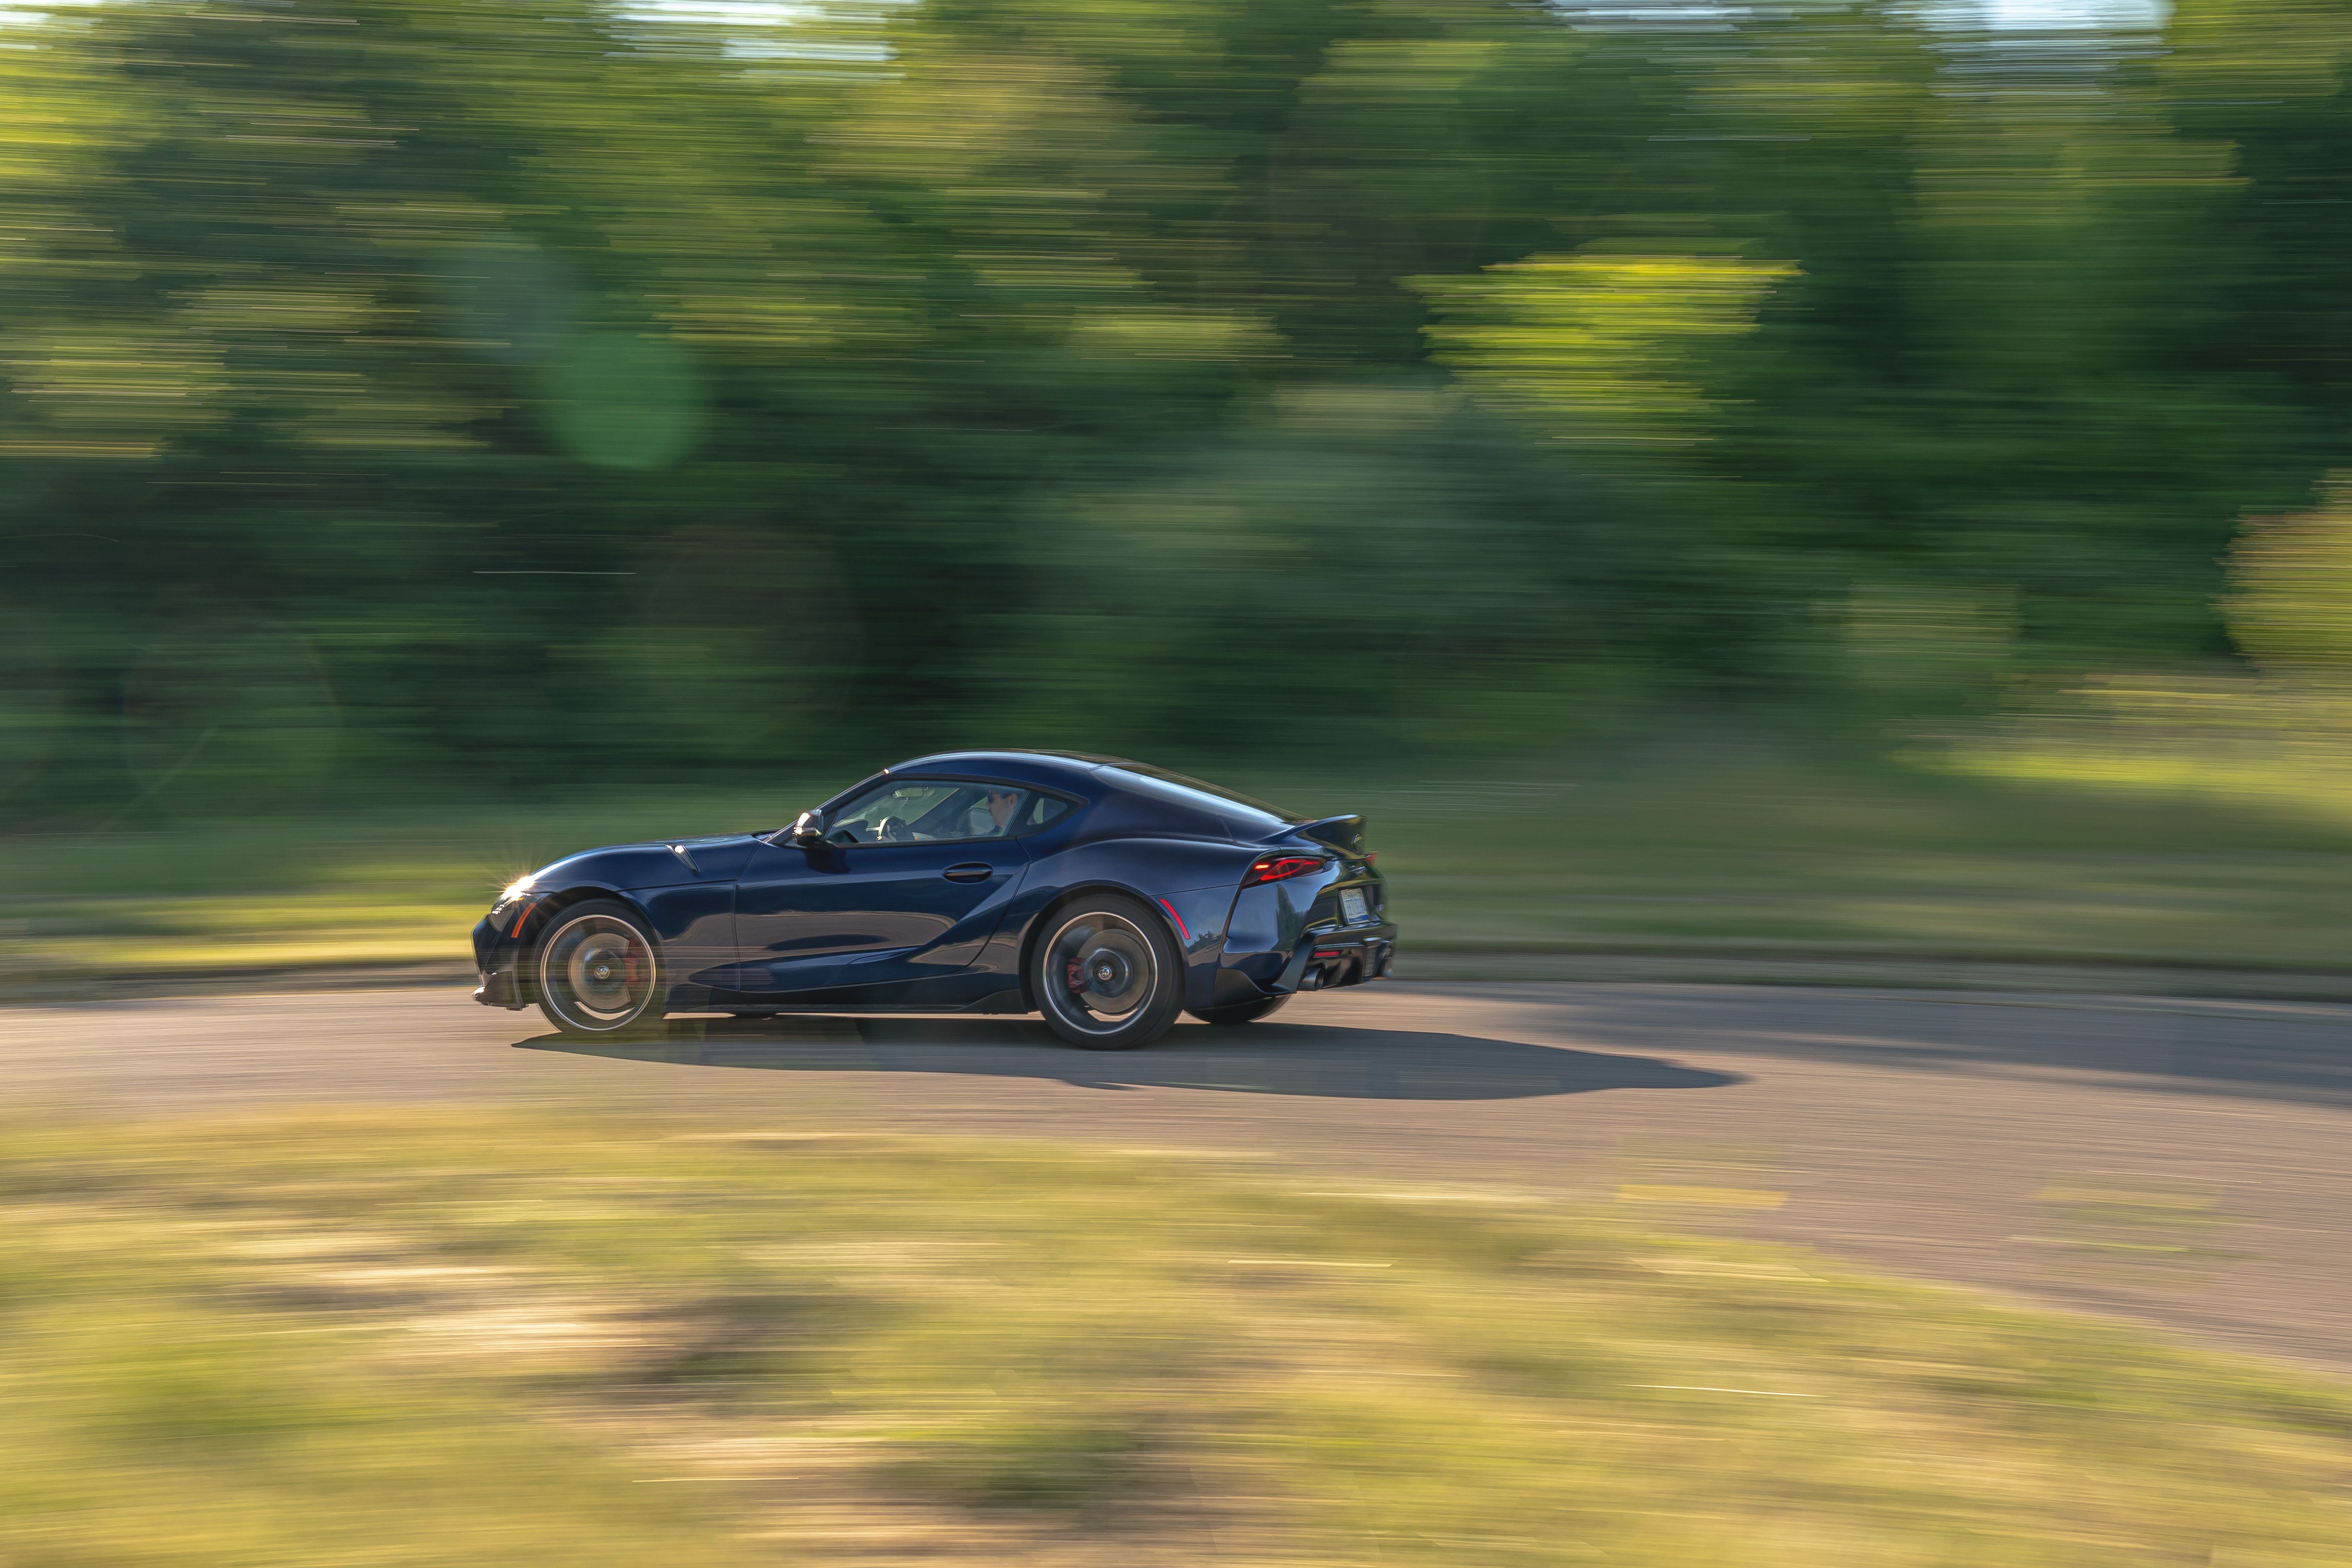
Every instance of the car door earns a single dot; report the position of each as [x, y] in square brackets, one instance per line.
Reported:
[873, 910]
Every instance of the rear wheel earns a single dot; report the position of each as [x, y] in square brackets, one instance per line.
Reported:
[1238, 1012]
[599, 970]
[1107, 975]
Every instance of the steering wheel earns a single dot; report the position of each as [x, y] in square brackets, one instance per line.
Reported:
[893, 830]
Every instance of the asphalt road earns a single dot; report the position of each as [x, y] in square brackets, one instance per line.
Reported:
[2178, 1162]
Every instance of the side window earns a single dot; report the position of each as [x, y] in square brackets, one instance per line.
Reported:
[1044, 809]
[927, 813]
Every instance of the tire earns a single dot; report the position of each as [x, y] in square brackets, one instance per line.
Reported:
[1238, 1012]
[1107, 975]
[599, 970]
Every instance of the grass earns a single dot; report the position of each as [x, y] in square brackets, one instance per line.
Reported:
[1708, 851]
[399, 1338]
[1762, 857]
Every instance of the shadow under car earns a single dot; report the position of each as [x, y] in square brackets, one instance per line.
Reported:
[1320, 1060]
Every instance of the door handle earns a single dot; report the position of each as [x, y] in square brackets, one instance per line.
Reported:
[970, 871]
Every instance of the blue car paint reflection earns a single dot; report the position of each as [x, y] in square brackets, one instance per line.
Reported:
[761, 922]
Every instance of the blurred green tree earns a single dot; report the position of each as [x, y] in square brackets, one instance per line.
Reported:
[411, 392]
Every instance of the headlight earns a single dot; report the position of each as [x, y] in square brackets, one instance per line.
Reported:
[517, 889]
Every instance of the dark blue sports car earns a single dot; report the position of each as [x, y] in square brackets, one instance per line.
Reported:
[1106, 894]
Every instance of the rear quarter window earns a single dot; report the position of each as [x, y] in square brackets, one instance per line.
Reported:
[1044, 809]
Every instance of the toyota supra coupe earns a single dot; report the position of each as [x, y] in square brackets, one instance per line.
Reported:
[1107, 895]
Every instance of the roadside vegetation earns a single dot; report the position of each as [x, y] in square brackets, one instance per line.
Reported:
[1700, 853]
[709, 389]
[394, 1338]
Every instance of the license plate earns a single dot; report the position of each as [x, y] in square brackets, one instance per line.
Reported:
[1351, 906]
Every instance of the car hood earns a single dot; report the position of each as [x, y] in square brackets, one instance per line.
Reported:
[657, 863]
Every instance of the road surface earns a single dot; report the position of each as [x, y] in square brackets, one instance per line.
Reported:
[2183, 1163]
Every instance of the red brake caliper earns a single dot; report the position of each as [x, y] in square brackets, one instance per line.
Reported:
[1078, 982]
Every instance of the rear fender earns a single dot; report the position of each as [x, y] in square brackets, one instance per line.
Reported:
[1194, 919]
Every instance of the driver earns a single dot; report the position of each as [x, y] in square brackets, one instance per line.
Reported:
[992, 817]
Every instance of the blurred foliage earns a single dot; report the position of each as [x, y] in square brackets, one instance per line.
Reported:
[427, 1337]
[2291, 613]
[2269, 730]
[415, 397]
[1597, 350]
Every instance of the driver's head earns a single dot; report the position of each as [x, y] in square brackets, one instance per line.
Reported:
[1001, 802]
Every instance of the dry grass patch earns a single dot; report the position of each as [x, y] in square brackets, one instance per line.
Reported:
[425, 1338]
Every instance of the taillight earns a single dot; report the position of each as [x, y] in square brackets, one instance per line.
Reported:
[1275, 867]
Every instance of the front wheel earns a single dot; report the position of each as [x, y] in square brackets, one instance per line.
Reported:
[599, 970]
[1107, 975]
[1238, 1012]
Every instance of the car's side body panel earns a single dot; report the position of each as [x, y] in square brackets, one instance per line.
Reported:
[696, 923]
[764, 924]
[819, 916]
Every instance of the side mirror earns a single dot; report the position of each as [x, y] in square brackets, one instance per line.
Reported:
[808, 827]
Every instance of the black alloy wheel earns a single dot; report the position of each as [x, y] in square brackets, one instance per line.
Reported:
[599, 970]
[1238, 1012]
[1107, 975]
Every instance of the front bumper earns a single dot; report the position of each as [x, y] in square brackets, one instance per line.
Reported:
[495, 956]
[498, 989]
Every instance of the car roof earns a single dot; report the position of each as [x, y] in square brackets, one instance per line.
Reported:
[1014, 763]
[1073, 769]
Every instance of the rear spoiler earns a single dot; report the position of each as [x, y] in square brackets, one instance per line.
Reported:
[1345, 833]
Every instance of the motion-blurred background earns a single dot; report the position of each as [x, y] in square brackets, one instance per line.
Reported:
[1810, 477]
[1740, 491]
